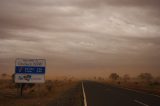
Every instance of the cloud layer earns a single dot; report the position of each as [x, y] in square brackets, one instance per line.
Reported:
[100, 36]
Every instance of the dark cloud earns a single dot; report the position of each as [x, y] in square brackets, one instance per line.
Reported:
[82, 34]
[141, 3]
[130, 3]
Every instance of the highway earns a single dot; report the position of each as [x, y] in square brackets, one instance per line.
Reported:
[98, 94]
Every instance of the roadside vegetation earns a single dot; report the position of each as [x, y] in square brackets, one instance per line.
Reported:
[64, 92]
[144, 82]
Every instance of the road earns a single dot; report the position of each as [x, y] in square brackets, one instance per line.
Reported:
[98, 94]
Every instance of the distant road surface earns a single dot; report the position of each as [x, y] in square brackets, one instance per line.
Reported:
[98, 94]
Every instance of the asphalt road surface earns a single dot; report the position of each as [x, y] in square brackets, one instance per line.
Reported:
[98, 94]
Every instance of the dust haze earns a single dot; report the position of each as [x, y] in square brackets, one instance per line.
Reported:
[82, 38]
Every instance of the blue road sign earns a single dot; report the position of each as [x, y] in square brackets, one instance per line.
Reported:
[30, 70]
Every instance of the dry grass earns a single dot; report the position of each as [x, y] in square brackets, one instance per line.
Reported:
[148, 87]
[39, 94]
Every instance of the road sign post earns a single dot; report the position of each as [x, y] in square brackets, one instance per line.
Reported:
[21, 89]
[29, 71]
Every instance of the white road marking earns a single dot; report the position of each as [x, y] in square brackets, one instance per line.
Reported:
[155, 95]
[132, 90]
[84, 95]
[139, 92]
[140, 103]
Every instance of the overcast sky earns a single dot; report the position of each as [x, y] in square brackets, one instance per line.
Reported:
[82, 37]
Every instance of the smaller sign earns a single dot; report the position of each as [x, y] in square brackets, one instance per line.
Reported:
[31, 62]
[29, 78]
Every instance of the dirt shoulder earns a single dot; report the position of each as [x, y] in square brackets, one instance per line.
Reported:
[52, 92]
[146, 87]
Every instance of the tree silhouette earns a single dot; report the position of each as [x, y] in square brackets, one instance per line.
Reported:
[145, 77]
[126, 77]
[4, 75]
[13, 78]
[114, 76]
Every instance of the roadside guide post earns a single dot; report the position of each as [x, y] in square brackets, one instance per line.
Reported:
[29, 71]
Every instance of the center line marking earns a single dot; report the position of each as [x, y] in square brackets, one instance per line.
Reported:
[84, 95]
[140, 103]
